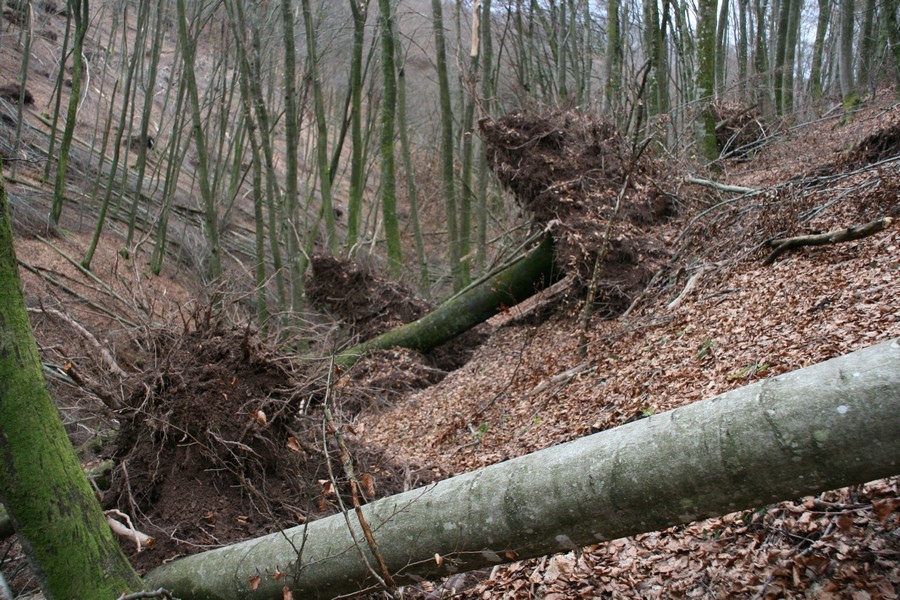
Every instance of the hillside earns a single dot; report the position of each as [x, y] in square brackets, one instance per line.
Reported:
[206, 431]
[736, 321]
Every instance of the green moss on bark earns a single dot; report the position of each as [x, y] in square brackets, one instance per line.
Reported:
[52, 505]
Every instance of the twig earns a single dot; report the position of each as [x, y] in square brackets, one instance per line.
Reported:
[160, 593]
[604, 250]
[832, 237]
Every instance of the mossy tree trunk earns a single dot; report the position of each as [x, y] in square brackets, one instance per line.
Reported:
[54, 510]
[473, 306]
[706, 75]
[388, 160]
[80, 10]
[831, 425]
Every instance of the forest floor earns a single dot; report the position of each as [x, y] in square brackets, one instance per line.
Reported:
[217, 436]
[528, 387]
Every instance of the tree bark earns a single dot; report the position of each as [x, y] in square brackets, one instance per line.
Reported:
[53, 508]
[830, 425]
[447, 182]
[388, 160]
[832, 237]
[706, 75]
[473, 306]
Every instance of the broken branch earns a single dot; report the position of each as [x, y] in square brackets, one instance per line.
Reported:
[832, 237]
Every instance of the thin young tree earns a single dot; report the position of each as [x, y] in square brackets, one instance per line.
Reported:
[446, 149]
[211, 216]
[815, 72]
[80, 11]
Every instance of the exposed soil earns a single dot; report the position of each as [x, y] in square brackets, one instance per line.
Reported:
[367, 304]
[199, 466]
[221, 441]
[567, 170]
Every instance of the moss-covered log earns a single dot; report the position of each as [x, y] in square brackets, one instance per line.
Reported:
[52, 505]
[823, 427]
[519, 281]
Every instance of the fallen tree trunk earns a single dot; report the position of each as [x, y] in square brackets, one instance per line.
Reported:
[827, 426]
[519, 281]
[832, 237]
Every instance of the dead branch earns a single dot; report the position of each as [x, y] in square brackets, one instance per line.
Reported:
[832, 237]
[142, 540]
[688, 288]
[722, 187]
[105, 355]
[383, 576]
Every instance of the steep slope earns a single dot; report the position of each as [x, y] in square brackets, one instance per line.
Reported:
[739, 321]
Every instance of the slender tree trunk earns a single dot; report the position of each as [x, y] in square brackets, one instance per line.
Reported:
[613, 57]
[804, 432]
[324, 166]
[867, 41]
[292, 140]
[127, 98]
[211, 216]
[742, 47]
[57, 102]
[412, 194]
[815, 73]
[388, 167]
[80, 11]
[893, 37]
[447, 177]
[706, 47]
[763, 91]
[652, 51]
[790, 53]
[149, 90]
[721, 48]
[63, 531]
[360, 12]
[845, 53]
[483, 173]
[27, 7]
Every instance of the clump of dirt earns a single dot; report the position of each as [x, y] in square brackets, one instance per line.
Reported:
[370, 305]
[877, 146]
[568, 169]
[367, 303]
[13, 92]
[739, 129]
[221, 441]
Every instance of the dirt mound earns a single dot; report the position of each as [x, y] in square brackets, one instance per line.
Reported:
[876, 147]
[222, 442]
[739, 129]
[367, 303]
[567, 169]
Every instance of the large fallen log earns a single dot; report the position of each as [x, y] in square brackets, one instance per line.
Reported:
[827, 426]
[519, 281]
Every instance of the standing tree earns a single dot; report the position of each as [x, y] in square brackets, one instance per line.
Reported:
[706, 73]
[388, 162]
[845, 52]
[42, 484]
[448, 185]
[79, 9]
